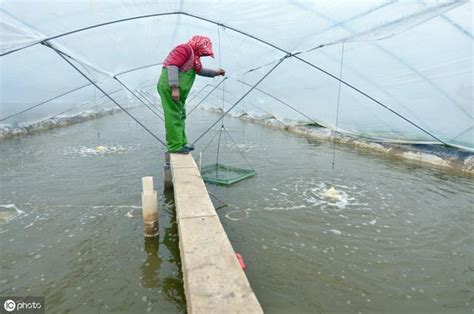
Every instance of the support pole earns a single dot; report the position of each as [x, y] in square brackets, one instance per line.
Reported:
[138, 98]
[167, 177]
[65, 58]
[149, 208]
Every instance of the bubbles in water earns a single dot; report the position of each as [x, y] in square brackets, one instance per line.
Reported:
[100, 150]
[246, 146]
[9, 211]
[134, 213]
[238, 214]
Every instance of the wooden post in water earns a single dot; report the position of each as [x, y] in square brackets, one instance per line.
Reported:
[167, 178]
[149, 208]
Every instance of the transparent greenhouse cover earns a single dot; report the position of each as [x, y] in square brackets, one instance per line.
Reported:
[406, 66]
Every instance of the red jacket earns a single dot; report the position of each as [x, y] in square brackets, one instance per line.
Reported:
[188, 55]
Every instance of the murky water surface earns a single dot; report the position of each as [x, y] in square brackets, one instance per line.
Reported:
[372, 235]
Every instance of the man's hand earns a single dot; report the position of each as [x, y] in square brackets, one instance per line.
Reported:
[175, 93]
[220, 71]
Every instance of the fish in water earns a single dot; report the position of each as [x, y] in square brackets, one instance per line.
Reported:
[332, 194]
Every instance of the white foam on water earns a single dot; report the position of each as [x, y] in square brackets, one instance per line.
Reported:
[285, 208]
[326, 196]
[133, 213]
[246, 146]
[12, 206]
[100, 150]
[231, 215]
[94, 206]
[9, 212]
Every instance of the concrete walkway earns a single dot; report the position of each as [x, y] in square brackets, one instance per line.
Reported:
[213, 279]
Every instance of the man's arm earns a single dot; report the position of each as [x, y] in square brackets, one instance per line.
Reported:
[173, 75]
[211, 73]
[180, 55]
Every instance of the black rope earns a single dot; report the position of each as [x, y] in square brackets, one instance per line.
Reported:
[223, 128]
[241, 98]
[60, 53]
[140, 100]
[207, 145]
[219, 145]
[220, 66]
[238, 149]
[205, 97]
[337, 110]
[223, 86]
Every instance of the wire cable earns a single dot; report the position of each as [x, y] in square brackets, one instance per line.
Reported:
[60, 53]
[205, 97]
[337, 110]
[42, 103]
[241, 98]
[140, 100]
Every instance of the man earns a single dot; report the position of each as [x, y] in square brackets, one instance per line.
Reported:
[177, 78]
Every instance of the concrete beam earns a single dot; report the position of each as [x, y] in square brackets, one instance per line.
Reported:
[214, 282]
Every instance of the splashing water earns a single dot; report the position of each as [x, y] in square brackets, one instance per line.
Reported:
[302, 195]
[9, 211]
[100, 150]
[246, 146]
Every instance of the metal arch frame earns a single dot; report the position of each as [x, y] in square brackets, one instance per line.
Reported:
[229, 93]
[398, 59]
[43, 102]
[288, 53]
[83, 104]
[138, 98]
[74, 90]
[66, 58]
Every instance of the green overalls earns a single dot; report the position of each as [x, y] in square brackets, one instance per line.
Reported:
[175, 111]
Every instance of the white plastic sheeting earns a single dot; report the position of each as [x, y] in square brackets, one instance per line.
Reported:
[414, 57]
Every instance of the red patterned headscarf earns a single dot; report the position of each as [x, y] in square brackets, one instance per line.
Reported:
[202, 47]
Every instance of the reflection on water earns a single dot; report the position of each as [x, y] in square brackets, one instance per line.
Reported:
[152, 263]
[391, 237]
[173, 285]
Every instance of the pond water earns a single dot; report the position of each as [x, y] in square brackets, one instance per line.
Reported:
[392, 236]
